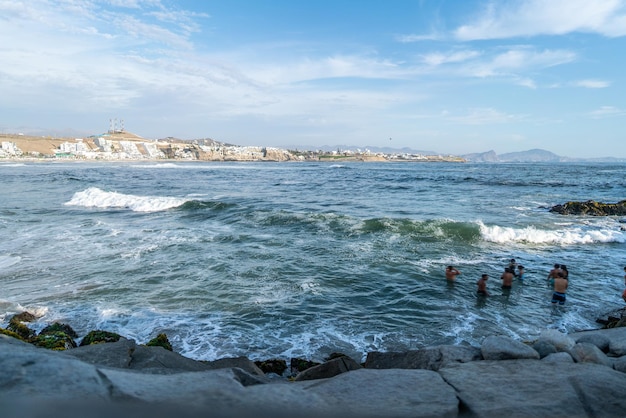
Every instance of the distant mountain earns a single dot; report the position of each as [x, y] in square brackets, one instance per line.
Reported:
[532, 156]
[374, 149]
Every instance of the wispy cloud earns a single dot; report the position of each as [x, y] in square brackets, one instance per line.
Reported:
[484, 116]
[607, 112]
[539, 17]
[439, 58]
[593, 84]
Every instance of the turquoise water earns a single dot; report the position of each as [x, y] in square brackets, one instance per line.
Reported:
[304, 259]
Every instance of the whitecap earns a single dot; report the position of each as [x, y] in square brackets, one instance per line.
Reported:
[533, 235]
[94, 197]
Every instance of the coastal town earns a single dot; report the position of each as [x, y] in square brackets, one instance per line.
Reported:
[118, 145]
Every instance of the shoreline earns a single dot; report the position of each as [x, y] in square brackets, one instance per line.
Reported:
[578, 374]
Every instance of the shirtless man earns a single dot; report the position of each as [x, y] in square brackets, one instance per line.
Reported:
[552, 274]
[482, 285]
[507, 279]
[560, 287]
[451, 273]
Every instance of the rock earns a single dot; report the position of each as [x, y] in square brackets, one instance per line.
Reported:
[386, 393]
[529, 388]
[504, 348]
[58, 327]
[619, 364]
[241, 362]
[157, 360]
[16, 325]
[560, 357]
[616, 336]
[592, 208]
[296, 365]
[99, 336]
[599, 340]
[54, 340]
[544, 348]
[560, 341]
[276, 366]
[116, 354]
[328, 369]
[432, 358]
[160, 341]
[589, 353]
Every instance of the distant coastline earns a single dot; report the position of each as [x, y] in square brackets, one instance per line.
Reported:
[125, 146]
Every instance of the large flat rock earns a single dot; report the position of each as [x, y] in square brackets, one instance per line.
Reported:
[530, 388]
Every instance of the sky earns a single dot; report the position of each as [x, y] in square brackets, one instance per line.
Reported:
[448, 76]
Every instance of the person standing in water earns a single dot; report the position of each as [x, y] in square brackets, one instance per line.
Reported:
[553, 273]
[451, 273]
[482, 285]
[507, 279]
[560, 287]
[520, 272]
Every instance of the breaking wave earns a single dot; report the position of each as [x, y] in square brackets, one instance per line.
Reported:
[532, 235]
[94, 197]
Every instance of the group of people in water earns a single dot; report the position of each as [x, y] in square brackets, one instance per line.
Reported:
[557, 279]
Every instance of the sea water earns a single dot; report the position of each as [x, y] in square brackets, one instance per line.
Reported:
[280, 260]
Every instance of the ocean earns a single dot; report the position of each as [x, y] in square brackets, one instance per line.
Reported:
[281, 260]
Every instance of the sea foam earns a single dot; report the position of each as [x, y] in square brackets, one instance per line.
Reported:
[94, 197]
[532, 235]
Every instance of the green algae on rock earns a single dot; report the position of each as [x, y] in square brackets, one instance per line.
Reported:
[160, 341]
[591, 208]
[99, 336]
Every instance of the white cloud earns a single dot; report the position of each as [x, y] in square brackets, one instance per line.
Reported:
[439, 58]
[607, 111]
[593, 84]
[485, 116]
[406, 39]
[521, 58]
[521, 18]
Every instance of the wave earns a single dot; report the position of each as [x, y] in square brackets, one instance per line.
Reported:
[532, 235]
[94, 197]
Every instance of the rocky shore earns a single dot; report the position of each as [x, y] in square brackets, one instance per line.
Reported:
[577, 375]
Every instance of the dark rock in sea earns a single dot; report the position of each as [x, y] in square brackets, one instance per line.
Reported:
[99, 336]
[54, 340]
[160, 341]
[276, 366]
[58, 327]
[297, 365]
[591, 208]
[24, 317]
[16, 325]
[329, 369]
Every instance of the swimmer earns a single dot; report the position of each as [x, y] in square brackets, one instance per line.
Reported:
[520, 272]
[451, 273]
[507, 279]
[552, 274]
[482, 285]
[560, 287]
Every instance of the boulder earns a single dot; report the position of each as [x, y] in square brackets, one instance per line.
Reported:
[619, 364]
[616, 336]
[328, 369]
[116, 354]
[599, 340]
[529, 388]
[503, 348]
[241, 362]
[589, 353]
[560, 341]
[432, 358]
[560, 357]
[158, 360]
[591, 207]
[386, 393]
[544, 348]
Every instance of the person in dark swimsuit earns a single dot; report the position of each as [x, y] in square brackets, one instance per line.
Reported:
[482, 285]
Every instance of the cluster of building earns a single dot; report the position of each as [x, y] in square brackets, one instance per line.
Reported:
[123, 146]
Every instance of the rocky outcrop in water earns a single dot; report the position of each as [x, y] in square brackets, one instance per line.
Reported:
[577, 375]
[592, 208]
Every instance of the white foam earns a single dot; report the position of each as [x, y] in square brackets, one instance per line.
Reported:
[8, 261]
[94, 197]
[532, 235]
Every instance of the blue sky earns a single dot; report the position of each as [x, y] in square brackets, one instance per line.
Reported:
[448, 76]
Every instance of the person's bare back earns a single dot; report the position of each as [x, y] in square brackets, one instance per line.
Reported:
[507, 279]
[451, 273]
